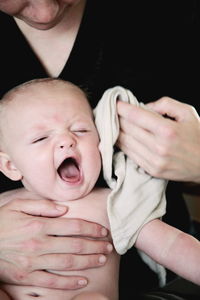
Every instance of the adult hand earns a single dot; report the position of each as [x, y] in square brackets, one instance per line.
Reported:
[32, 240]
[165, 147]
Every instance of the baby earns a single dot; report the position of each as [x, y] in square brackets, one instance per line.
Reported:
[49, 141]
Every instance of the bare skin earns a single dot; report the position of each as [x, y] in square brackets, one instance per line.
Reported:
[4, 296]
[61, 38]
[53, 65]
[97, 278]
[90, 296]
[164, 147]
[24, 216]
[43, 23]
[71, 137]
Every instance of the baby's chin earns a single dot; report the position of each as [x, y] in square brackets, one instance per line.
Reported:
[68, 195]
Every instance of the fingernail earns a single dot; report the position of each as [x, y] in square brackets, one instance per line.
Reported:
[61, 208]
[82, 282]
[109, 247]
[104, 232]
[102, 259]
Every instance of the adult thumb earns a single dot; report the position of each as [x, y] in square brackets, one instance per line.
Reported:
[36, 207]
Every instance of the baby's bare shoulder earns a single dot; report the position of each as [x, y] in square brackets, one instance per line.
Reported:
[100, 193]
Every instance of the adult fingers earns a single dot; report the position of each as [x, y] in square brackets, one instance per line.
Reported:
[40, 278]
[134, 140]
[161, 128]
[65, 227]
[140, 117]
[75, 245]
[50, 280]
[173, 108]
[142, 155]
[38, 208]
[69, 262]
[56, 226]
[131, 131]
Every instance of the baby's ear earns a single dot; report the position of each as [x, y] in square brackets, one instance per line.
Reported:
[8, 168]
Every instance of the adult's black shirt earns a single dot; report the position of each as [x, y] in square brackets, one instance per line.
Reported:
[149, 47]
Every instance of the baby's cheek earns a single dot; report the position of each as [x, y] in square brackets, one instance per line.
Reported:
[96, 166]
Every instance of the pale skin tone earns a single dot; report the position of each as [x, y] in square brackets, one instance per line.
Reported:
[47, 32]
[52, 17]
[61, 142]
[165, 148]
[56, 135]
[45, 23]
[165, 244]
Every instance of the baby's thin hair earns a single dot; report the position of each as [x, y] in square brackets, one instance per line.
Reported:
[11, 94]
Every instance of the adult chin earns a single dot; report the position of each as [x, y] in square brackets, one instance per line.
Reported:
[44, 20]
[40, 25]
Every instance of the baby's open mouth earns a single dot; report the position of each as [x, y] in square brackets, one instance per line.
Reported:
[69, 170]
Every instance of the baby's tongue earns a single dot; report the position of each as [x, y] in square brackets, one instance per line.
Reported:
[68, 171]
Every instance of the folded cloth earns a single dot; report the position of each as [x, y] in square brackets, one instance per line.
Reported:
[136, 197]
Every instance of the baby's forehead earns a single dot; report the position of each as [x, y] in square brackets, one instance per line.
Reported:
[41, 96]
[43, 91]
[36, 97]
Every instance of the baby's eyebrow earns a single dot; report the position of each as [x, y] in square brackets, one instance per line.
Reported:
[36, 131]
[39, 127]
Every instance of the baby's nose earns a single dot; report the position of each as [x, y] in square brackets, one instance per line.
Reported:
[66, 142]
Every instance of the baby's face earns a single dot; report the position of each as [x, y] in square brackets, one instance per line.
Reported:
[51, 138]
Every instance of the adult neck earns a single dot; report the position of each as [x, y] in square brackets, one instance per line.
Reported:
[53, 46]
